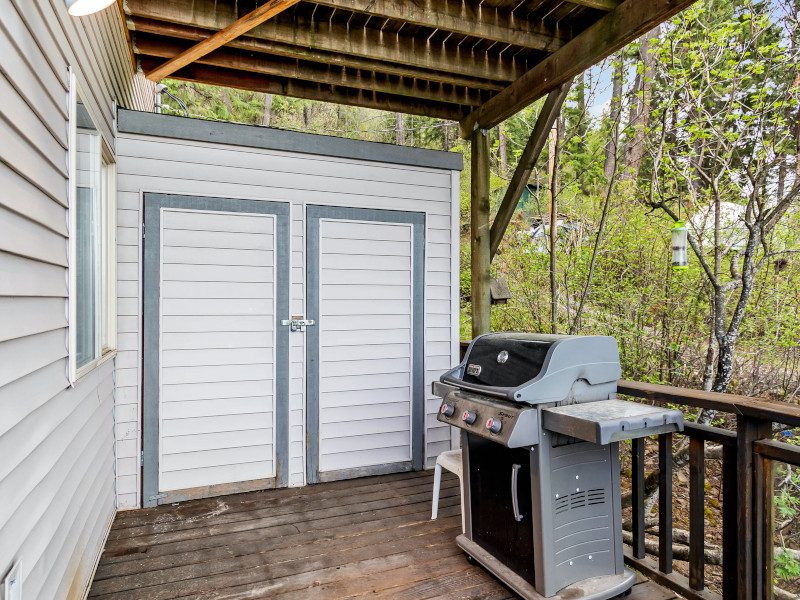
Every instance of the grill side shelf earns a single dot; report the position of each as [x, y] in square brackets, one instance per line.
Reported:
[612, 420]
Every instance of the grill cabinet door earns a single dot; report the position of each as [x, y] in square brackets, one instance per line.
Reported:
[494, 526]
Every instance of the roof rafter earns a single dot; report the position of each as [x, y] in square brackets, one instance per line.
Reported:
[335, 37]
[277, 66]
[308, 90]
[624, 24]
[221, 37]
[186, 32]
[463, 18]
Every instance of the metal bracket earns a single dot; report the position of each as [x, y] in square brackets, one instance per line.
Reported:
[297, 323]
[158, 496]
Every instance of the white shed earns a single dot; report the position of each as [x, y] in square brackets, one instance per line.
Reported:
[226, 233]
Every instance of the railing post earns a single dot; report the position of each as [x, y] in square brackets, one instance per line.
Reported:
[665, 503]
[730, 515]
[748, 430]
[696, 513]
[637, 492]
[764, 526]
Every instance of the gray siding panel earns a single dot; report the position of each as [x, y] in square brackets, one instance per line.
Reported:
[227, 171]
[56, 441]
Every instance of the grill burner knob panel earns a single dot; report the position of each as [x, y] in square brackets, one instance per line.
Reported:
[448, 410]
[469, 417]
[494, 425]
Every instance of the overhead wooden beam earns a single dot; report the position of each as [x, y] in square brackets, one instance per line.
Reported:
[266, 11]
[606, 5]
[231, 58]
[337, 37]
[186, 32]
[308, 90]
[624, 24]
[464, 18]
[527, 161]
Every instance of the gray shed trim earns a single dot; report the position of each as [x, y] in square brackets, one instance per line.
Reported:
[313, 216]
[277, 139]
[153, 203]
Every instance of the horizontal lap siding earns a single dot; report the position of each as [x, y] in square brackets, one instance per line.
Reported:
[56, 442]
[233, 428]
[364, 255]
[184, 167]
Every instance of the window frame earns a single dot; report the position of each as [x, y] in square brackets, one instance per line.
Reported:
[106, 316]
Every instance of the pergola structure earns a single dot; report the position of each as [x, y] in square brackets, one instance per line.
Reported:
[473, 61]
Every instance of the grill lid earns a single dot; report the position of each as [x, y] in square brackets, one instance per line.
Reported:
[506, 360]
[539, 368]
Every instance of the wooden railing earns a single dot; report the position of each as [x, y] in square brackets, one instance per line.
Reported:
[748, 454]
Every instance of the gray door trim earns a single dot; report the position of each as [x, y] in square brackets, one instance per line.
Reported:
[153, 203]
[313, 216]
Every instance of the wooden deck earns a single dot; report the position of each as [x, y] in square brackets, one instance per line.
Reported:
[363, 538]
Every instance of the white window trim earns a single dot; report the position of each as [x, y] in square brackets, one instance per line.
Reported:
[109, 346]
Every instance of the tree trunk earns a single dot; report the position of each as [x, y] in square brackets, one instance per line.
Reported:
[640, 107]
[447, 143]
[503, 150]
[226, 101]
[307, 117]
[400, 128]
[614, 116]
[265, 120]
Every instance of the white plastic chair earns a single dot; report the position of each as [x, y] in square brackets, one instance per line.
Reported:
[450, 460]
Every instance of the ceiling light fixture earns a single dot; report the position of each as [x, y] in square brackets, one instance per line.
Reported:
[79, 8]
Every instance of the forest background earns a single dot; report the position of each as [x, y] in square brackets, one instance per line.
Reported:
[698, 121]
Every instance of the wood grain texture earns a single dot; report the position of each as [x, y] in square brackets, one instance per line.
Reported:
[381, 544]
[619, 27]
[222, 37]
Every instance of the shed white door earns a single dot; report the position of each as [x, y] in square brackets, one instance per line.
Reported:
[216, 281]
[217, 400]
[366, 327]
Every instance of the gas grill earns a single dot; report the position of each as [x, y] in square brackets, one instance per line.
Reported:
[540, 428]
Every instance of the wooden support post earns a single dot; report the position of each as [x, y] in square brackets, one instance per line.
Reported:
[479, 234]
[544, 123]
[637, 485]
[697, 515]
[665, 503]
[748, 430]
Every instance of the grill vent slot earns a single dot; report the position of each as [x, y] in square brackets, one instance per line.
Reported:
[577, 500]
[597, 496]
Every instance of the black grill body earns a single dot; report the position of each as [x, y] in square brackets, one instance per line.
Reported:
[541, 475]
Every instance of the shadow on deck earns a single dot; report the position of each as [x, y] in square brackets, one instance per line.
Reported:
[361, 538]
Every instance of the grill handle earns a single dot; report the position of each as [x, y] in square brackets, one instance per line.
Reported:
[514, 502]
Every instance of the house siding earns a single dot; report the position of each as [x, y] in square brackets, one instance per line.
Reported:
[170, 165]
[56, 441]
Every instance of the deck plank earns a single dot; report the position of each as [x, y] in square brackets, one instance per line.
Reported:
[357, 539]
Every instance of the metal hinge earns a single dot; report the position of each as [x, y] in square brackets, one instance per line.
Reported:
[141, 458]
[142, 230]
[158, 496]
[297, 323]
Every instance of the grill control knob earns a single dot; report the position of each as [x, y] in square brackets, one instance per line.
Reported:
[448, 410]
[494, 425]
[469, 417]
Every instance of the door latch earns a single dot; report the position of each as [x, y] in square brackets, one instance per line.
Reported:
[297, 323]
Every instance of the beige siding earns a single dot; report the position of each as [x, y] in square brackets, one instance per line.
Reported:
[151, 164]
[56, 441]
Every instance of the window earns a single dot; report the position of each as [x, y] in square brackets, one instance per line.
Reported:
[92, 243]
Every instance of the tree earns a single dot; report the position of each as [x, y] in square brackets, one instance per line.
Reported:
[729, 73]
